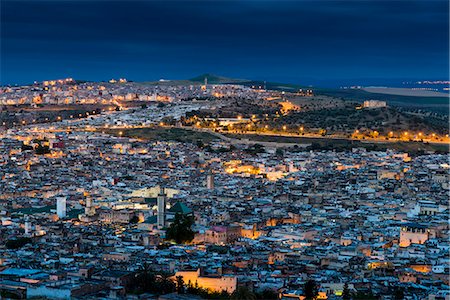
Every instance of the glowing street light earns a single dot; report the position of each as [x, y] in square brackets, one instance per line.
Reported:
[284, 127]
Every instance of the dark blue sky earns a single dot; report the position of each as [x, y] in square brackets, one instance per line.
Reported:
[305, 42]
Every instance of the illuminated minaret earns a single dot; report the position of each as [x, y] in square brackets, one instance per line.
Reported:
[161, 202]
[206, 81]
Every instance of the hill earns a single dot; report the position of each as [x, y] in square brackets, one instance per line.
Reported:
[215, 79]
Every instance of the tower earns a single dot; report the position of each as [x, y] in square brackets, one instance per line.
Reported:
[210, 181]
[61, 207]
[161, 202]
[89, 209]
[27, 227]
[206, 81]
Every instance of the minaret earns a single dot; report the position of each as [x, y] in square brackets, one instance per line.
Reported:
[89, 210]
[161, 202]
[206, 81]
[210, 181]
[27, 227]
[61, 206]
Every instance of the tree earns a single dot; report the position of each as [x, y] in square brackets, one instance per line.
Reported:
[279, 152]
[180, 285]
[398, 293]
[243, 293]
[310, 290]
[134, 219]
[346, 292]
[17, 243]
[267, 294]
[180, 230]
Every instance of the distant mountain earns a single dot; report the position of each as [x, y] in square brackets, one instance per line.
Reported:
[215, 79]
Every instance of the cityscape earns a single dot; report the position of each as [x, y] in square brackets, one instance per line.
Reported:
[219, 187]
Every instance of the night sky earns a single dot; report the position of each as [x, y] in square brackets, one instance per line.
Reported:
[305, 42]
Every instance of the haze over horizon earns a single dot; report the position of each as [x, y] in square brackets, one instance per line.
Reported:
[327, 43]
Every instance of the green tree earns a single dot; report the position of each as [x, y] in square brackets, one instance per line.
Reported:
[310, 290]
[180, 285]
[17, 242]
[180, 230]
[267, 294]
[346, 292]
[279, 152]
[243, 293]
[398, 293]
